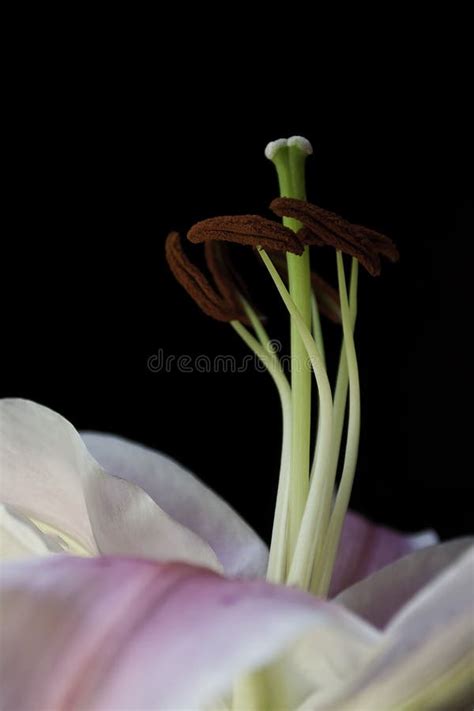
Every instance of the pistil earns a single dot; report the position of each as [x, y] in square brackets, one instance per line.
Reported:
[289, 159]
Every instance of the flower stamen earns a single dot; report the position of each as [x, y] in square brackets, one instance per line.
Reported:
[221, 272]
[217, 304]
[322, 227]
[252, 230]
[327, 296]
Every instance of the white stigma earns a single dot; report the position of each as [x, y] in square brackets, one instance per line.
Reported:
[302, 143]
[274, 146]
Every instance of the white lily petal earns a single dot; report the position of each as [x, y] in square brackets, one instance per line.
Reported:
[48, 475]
[366, 547]
[43, 467]
[426, 658]
[186, 500]
[380, 596]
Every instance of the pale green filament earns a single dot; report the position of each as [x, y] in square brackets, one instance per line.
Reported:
[316, 326]
[278, 550]
[319, 340]
[310, 536]
[353, 431]
[290, 162]
[340, 395]
[278, 559]
[340, 399]
[257, 325]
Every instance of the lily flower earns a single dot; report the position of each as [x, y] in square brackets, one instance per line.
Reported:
[126, 583]
[87, 630]
[101, 632]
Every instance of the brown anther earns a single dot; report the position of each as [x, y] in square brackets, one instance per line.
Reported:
[321, 227]
[250, 230]
[327, 296]
[217, 304]
[226, 279]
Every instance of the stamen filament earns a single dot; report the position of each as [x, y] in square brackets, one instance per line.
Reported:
[316, 326]
[340, 400]
[319, 340]
[353, 429]
[257, 325]
[277, 563]
[310, 535]
[342, 382]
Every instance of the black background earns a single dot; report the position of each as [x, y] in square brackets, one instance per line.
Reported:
[110, 153]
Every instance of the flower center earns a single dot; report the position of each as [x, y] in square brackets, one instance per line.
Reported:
[310, 509]
[22, 535]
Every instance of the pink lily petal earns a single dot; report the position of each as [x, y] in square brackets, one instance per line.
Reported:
[47, 474]
[111, 633]
[380, 596]
[426, 658]
[366, 547]
[186, 500]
